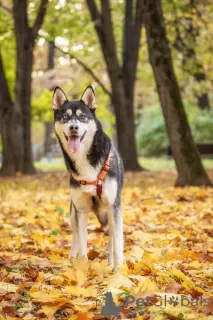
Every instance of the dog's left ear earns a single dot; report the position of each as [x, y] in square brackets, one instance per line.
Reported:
[88, 97]
[59, 98]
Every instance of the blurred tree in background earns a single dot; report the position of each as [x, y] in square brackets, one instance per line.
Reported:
[16, 116]
[85, 42]
[187, 21]
[187, 158]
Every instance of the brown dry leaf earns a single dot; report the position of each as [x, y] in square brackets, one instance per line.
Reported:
[8, 311]
[82, 316]
[174, 287]
[92, 254]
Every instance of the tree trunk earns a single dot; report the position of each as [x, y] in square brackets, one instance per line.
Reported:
[202, 99]
[125, 128]
[9, 127]
[16, 130]
[22, 105]
[187, 158]
[49, 129]
[185, 43]
[121, 76]
[16, 117]
[199, 75]
[49, 126]
[51, 54]
[10, 141]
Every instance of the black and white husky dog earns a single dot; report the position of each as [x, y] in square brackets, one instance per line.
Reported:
[96, 171]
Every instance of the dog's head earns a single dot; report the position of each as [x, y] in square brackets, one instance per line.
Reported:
[75, 121]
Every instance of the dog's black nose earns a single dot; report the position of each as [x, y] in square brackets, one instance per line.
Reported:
[73, 127]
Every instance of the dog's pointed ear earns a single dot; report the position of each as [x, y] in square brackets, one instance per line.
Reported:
[88, 97]
[59, 98]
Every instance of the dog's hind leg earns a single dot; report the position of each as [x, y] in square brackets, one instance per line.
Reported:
[115, 236]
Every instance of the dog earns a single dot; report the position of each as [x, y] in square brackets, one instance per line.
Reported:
[96, 171]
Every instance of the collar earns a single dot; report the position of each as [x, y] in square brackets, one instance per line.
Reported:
[99, 181]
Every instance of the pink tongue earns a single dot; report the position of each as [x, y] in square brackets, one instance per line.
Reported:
[74, 143]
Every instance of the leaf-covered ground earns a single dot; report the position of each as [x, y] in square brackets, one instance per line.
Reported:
[168, 252]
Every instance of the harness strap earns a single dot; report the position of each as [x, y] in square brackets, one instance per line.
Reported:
[99, 181]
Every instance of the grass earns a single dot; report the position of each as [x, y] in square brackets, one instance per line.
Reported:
[164, 164]
[153, 164]
[45, 165]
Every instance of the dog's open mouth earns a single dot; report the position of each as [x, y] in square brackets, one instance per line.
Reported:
[74, 141]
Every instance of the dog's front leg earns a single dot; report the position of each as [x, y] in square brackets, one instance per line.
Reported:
[79, 229]
[82, 232]
[115, 235]
[74, 249]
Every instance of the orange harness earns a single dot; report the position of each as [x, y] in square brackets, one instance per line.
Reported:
[99, 182]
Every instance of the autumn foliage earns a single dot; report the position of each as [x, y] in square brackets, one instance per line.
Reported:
[168, 251]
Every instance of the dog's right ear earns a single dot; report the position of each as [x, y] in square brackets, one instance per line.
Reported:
[59, 98]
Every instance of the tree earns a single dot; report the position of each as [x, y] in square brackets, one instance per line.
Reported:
[121, 75]
[16, 133]
[49, 126]
[187, 158]
[6, 106]
[187, 32]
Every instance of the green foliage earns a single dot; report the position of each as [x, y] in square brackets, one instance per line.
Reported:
[151, 132]
[71, 28]
[201, 124]
[41, 106]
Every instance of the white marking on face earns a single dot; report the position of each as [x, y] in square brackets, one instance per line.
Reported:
[69, 112]
[78, 112]
[86, 171]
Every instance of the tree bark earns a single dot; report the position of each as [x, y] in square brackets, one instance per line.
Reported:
[202, 99]
[121, 76]
[199, 75]
[16, 129]
[49, 129]
[124, 112]
[8, 126]
[187, 158]
[16, 133]
[51, 54]
[49, 126]
[22, 104]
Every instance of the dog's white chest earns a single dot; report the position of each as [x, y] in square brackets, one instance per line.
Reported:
[89, 189]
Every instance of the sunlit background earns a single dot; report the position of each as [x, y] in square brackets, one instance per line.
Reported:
[67, 40]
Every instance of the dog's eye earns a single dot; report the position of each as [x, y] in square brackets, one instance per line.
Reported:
[82, 116]
[65, 116]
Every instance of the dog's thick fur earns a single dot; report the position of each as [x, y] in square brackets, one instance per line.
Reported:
[86, 147]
